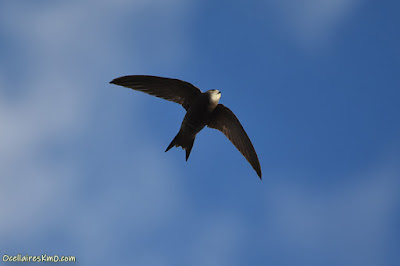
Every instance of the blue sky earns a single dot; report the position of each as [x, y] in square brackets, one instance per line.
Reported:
[82, 163]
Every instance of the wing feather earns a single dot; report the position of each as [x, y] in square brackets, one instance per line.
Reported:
[225, 121]
[174, 90]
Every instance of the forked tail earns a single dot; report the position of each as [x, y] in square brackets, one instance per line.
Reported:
[181, 141]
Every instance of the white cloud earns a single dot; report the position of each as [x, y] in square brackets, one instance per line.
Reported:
[67, 48]
[64, 50]
[313, 23]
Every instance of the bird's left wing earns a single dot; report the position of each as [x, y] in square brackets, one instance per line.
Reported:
[225, 121]
[174, 90]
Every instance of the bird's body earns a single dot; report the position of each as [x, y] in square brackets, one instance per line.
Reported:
[202, 110]
[196, 118]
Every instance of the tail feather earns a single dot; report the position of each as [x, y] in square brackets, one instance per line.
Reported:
[172, 144]
[181, 141]
[188, 148]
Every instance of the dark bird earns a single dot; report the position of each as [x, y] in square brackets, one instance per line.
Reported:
[202, 109]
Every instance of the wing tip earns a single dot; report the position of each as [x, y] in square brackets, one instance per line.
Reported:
[116, 81]
[121, 80]
[258, 171]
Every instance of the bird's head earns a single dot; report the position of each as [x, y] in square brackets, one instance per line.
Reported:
[215, 95]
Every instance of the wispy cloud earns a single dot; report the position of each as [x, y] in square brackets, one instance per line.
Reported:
[219, 239]
[313, 23]
[71, 183]
[349, 224]
[63, 49]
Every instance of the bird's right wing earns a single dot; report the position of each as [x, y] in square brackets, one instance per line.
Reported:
[225, 121]
[174, 90]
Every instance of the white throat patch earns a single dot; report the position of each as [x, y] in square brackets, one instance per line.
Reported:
[215, 95]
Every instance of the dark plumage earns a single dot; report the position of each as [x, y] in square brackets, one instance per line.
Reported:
[202, 110]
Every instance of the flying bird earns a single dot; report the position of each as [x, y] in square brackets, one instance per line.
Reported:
[202, 109]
